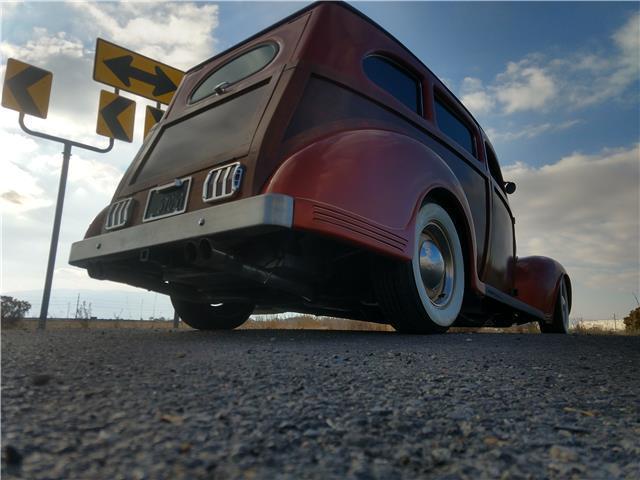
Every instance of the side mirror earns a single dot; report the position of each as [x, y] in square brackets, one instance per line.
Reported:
[509, 187]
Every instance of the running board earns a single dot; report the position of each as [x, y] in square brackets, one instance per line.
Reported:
[513, 302]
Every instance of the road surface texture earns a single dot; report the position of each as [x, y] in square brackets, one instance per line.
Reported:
[127, 404]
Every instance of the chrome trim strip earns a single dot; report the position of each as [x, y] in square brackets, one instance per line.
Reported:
[271, 209]
[164, 187]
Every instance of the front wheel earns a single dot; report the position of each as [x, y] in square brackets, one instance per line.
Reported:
[205, 316]
[424, 295]
[560, 320]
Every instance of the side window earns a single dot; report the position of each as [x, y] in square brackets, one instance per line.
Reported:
[494, 166]
[396, 80]
[452, 126]
[237, 69]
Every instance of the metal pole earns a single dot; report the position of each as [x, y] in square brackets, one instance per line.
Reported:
[176, 320]
[53, 248]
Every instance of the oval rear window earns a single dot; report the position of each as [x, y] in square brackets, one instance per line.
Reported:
[237, 69]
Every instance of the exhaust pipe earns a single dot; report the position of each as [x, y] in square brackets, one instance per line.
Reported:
[204, 254]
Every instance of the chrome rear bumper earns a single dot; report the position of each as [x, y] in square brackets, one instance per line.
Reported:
[263, 210]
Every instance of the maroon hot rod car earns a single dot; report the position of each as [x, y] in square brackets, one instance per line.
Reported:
[320, 167]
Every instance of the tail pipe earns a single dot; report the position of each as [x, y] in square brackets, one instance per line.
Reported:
[204, 254]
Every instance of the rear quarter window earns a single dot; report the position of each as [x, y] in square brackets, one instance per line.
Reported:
[237, 69]
[396, 80]
[451, 125]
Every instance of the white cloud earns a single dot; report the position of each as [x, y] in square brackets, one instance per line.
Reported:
[176, 33]
[583, 210]
[40, 49]
[530, 131]
[536, 83]
[524, 86]
[474, 97]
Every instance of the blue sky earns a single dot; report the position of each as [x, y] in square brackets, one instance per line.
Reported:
[555, 85]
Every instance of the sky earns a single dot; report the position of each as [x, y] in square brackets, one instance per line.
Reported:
[555, 85]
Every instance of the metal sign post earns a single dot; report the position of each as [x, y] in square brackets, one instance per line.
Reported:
[53, 248]
[27, 89]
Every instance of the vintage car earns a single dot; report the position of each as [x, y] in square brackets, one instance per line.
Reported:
[320, 167]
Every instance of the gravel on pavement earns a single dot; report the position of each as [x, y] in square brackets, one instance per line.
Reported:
[263, 404]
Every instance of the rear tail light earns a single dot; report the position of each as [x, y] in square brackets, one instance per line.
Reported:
[222, 182]
[119, 213]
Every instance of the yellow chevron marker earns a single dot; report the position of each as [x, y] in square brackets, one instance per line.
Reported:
[151, 117]
[115, 116]
[26, 88]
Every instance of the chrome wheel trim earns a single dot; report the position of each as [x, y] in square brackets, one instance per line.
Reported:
[446, 311]
[436, 264]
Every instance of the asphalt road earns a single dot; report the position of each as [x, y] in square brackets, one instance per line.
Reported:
[135, 404]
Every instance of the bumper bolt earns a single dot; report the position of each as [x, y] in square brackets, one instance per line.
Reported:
[201, 221]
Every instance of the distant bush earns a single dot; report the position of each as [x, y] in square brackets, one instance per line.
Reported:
[632, 321]
[12, 310]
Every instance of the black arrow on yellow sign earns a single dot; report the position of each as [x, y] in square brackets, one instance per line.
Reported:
[115, 116]
[127, 70]
[26, 88]
[122, 68]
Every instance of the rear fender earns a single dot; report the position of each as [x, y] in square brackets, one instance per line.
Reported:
[96, 225]
[366, 186]
[538, 283]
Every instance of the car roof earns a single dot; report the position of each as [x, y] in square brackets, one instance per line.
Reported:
[357, 12]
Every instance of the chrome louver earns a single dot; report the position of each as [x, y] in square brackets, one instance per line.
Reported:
[222, 182]
[118, 214]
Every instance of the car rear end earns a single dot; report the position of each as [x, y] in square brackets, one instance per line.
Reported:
[195, 216]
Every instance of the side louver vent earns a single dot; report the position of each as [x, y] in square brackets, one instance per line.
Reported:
[119, 214]
[222, 182]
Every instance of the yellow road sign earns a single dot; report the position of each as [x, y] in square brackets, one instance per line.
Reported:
[26, 88]
[135, 73]
[151, 117]
[115, 116]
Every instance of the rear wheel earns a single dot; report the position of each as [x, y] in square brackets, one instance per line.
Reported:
[424, 295]
[204, 316]
[560, 321]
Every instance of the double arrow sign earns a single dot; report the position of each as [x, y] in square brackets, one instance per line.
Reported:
[135, 73]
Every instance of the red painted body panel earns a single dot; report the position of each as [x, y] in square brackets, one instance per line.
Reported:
[365, 186]
[538, 281]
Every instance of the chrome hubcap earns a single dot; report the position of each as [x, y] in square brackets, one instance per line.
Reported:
[436, 264]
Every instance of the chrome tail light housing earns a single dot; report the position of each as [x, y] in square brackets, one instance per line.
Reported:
[119, 213]
[222, 182]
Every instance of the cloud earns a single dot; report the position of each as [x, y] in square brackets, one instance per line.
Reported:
[530, 131]
[474, 97]
[44, 46]
[176, 33]
[582, 79]
[524, 86]
[584, 211]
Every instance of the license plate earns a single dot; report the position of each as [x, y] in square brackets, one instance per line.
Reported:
[167, 200]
